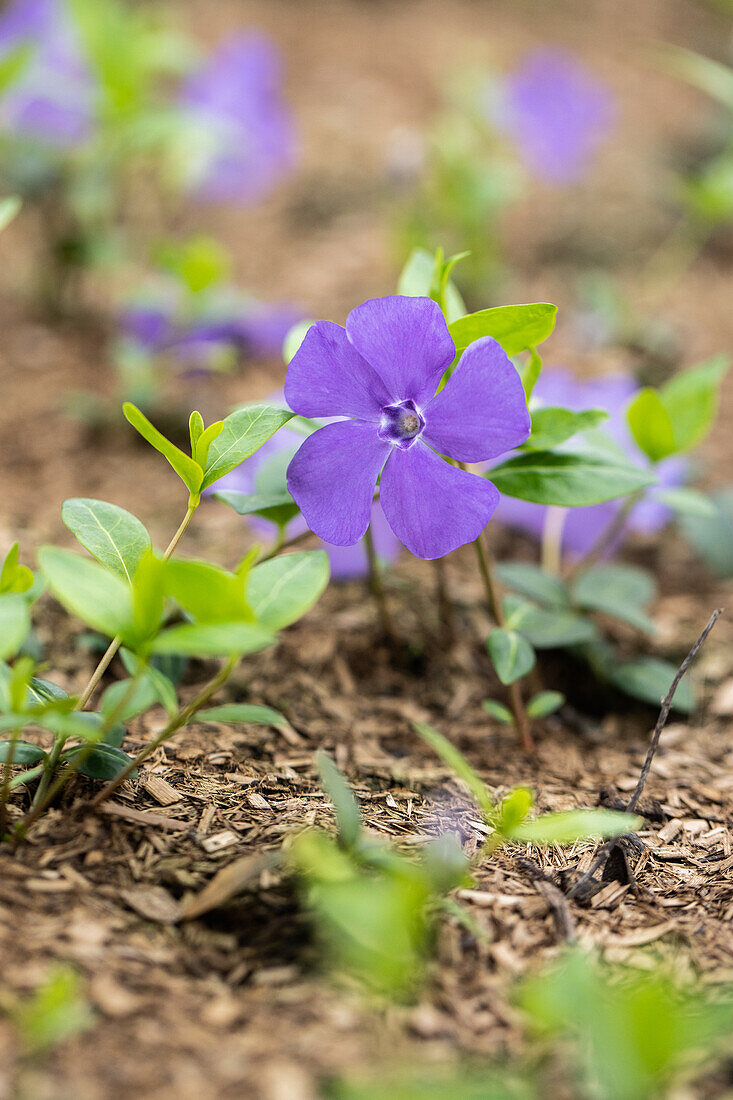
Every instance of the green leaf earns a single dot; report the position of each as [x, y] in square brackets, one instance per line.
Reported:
[104, 762]
[573, 825]
[89, 591]
[553, 425]
[568, 480]
[348, 814]
[213, 639]
[13, 576]
[651, 425]
[165, 690]
[208, 593]
[511, 654]
[42, 692]
[15, 624]
[20, 752]
[713, 537]
[498, 710]
[189, 471]
[544, 703]
[113, 536]
[203, 445]
[278, 508]
[622, 591]
[687, 502]
[281, 590]
[533, 581]
[232, 713]
[135, 701]
[244, 432]
[458, 764]
[10, 206]
[649, 679]
[516, 328]
[513, 810]
[195, 430]
[530, 372]
[294, 338]
[547, 628]
[426, 275]
[691, 399]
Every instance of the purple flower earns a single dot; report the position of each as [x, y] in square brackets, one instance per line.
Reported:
[53, 99]
[582, 526]
[347, 562]
[255, 330]
[556, 114]
[246, 130]
[382, 372]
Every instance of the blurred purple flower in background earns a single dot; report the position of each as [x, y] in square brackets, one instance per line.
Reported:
[556, 113]
[273, 458]
[246, 133]
[382, 372]
[250, 329]
[53, 99]
[582, 526]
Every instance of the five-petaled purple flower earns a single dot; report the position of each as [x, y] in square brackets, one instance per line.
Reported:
[582, 526]
[247, 137]
[556, 114]
[382, 372]
[53, 99]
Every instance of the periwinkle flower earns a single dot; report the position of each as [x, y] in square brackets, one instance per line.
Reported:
[582, 526]
[382, 372]
[556, 113]
[245, 132]
[53, 99]
[347, 562]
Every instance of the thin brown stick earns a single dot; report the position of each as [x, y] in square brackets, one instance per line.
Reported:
[516, 704]
[633, 802]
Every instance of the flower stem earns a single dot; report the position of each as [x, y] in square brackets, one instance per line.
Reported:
[607, 536]
[552, 539]
[377, 588]
[516, 704]
[180, 719]
[117, 642]
[445, 607]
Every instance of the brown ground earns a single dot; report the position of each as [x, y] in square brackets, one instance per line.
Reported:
[228, 1005]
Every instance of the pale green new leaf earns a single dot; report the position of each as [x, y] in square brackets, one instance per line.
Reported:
[189, 471]
[281, 590]
[573, 825]
[213, 639]
[92, 593]
[243, 433]
[15, 624]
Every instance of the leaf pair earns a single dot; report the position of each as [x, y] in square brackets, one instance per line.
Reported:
[678, 416]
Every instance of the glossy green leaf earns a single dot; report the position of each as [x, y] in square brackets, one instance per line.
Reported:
[348, 814]
[112, 535]
[244, 432]
[15, 624]
[458, 764]
[14, 577]
[649, 679]
[105, 762]
[213, 639]
[195, 430]
[189, 471]
[547, 628]
[208, 593]
[232, 713]
[41, 692]
[281, 590]
[516, 328]
[203, 445]
[531, 580]
[622, 591]
[21, 752]
[544, 703]
[92, 593]
[691, 399]
[651, 425]
[574, 825]
[567, 480]
[511, 654]
[554, 425]
[278, 508]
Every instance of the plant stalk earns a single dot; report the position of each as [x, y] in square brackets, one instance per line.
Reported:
[377, 589]
[607, 537]
[516, 704]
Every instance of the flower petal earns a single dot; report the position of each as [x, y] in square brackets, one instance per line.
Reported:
[431, 506]
[482, 412]
[333, 476]
[407, 342]
[328, 377]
